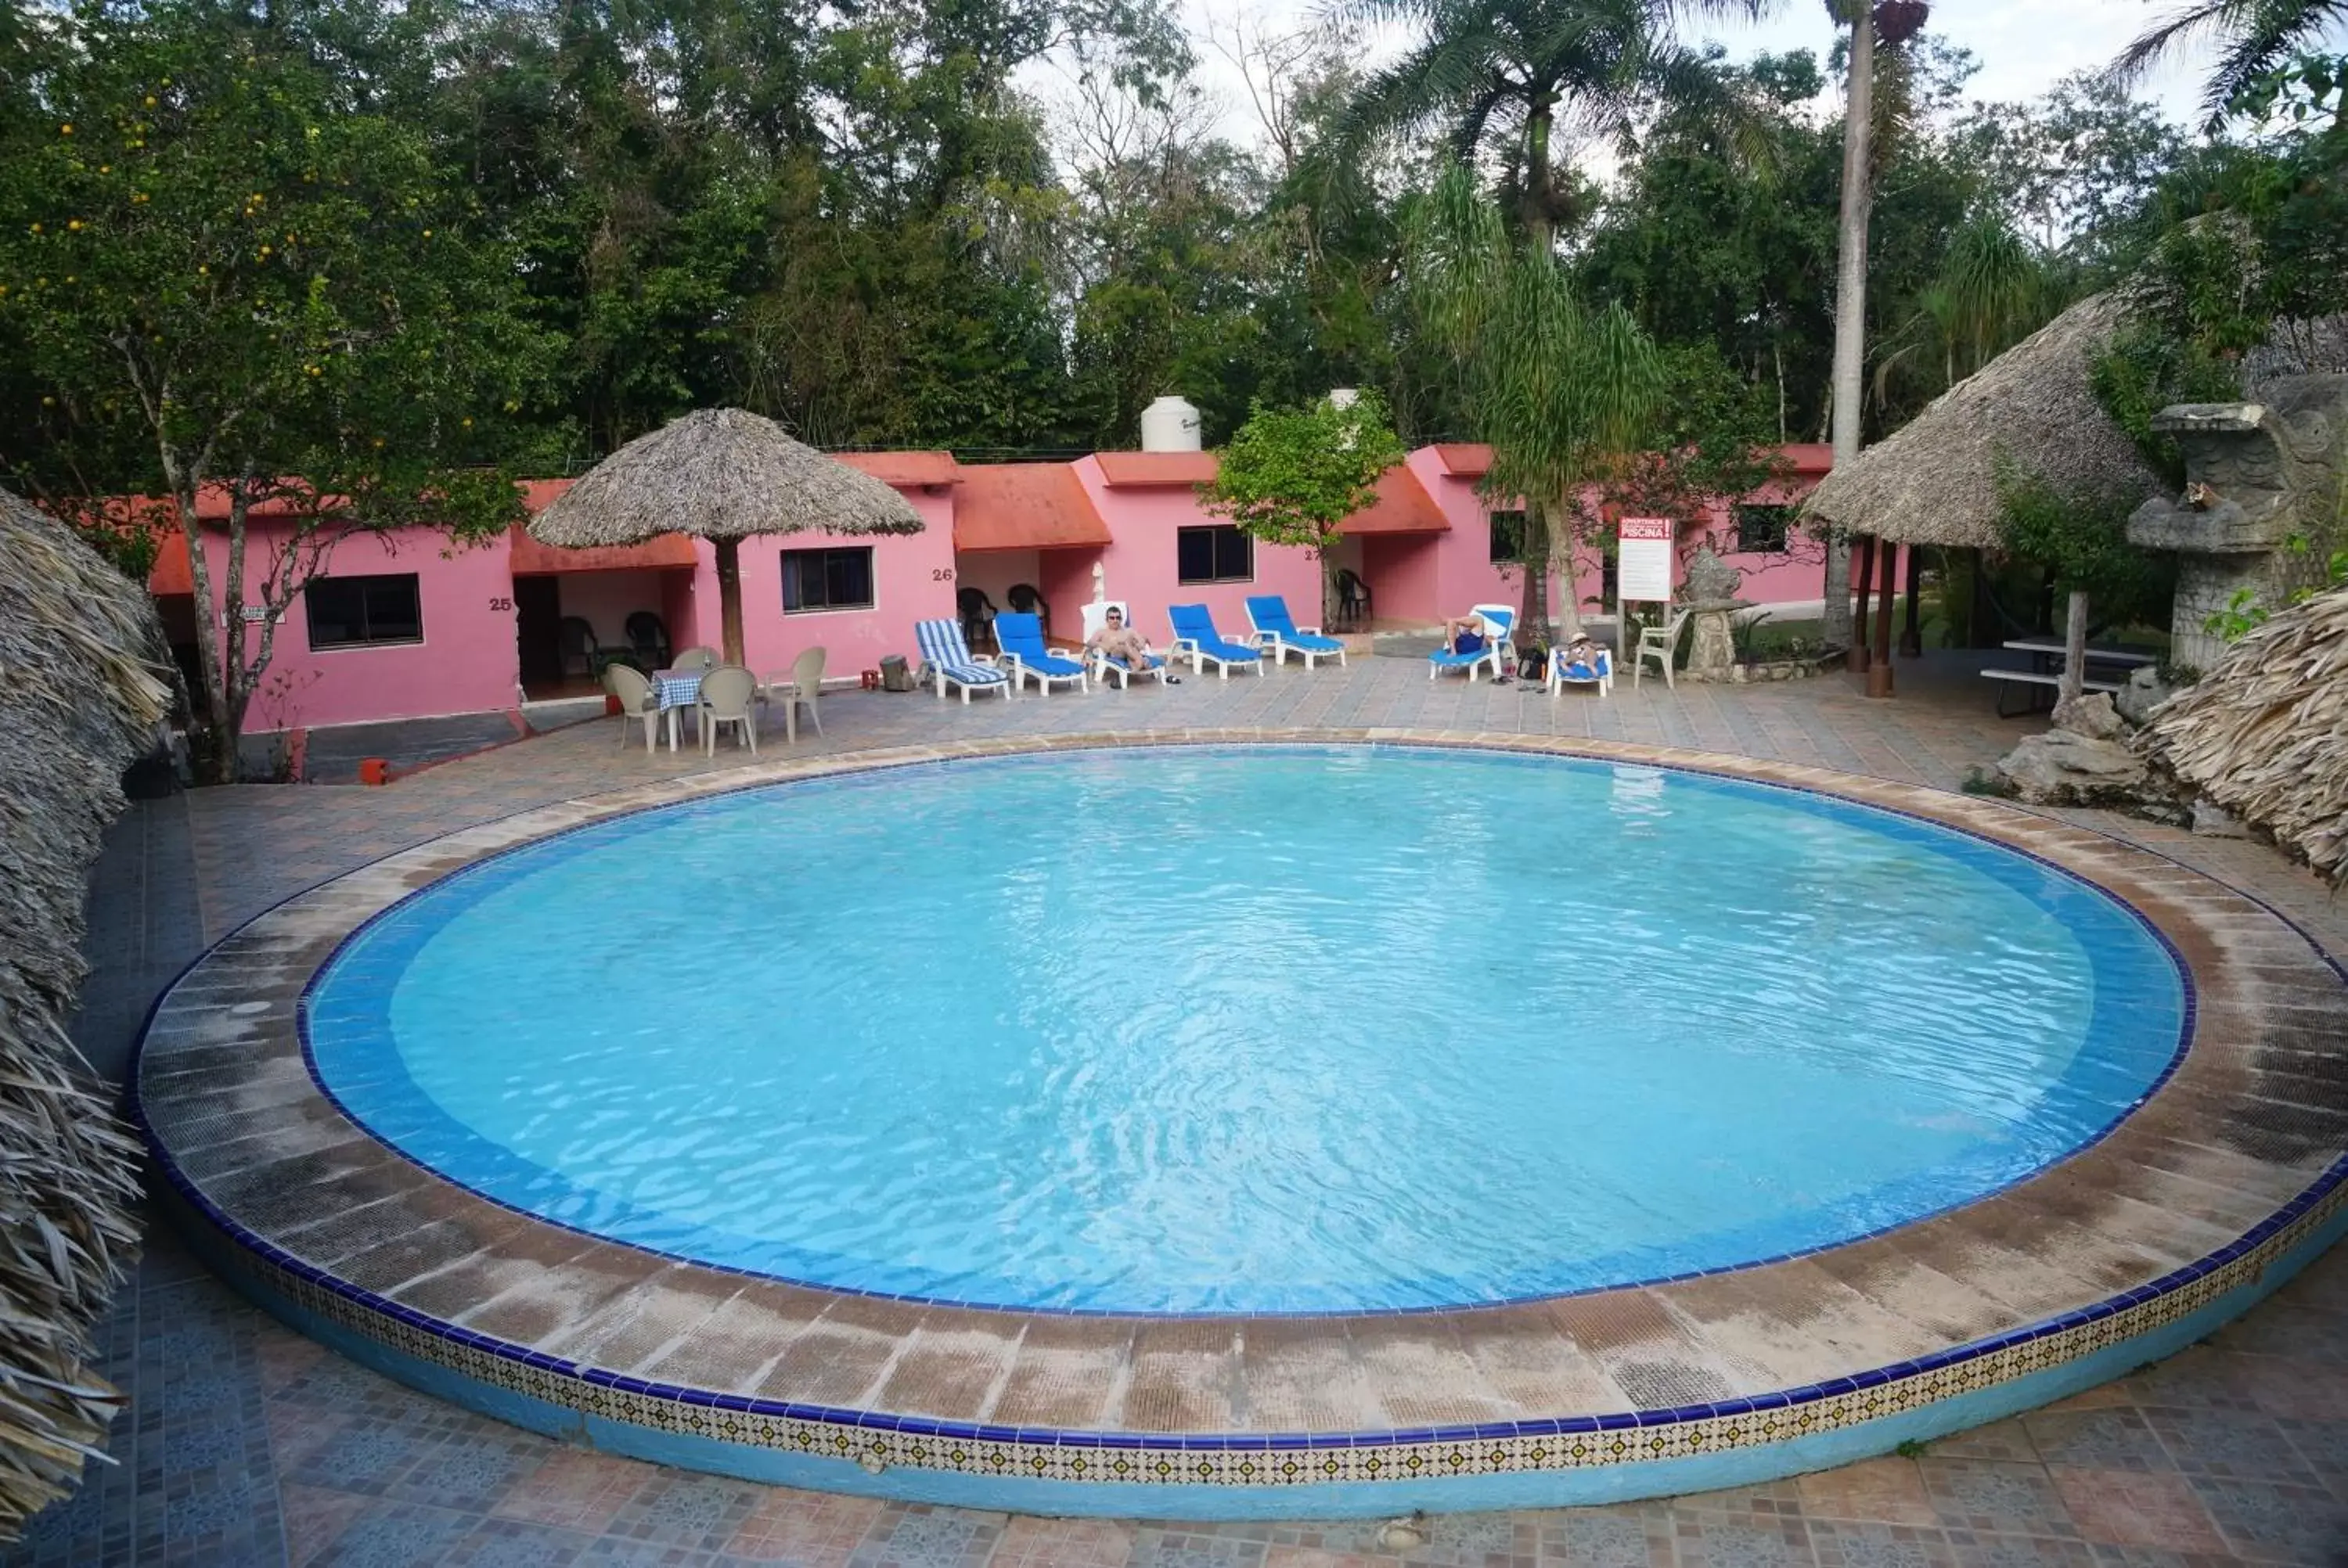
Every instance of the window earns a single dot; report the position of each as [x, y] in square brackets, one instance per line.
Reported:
[1222, 554]
[826, 580]
[360, 611]
[1762, 528]
[1508, 537]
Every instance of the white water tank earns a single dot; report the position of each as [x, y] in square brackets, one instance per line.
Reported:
[1169, 424]
[1343, 397]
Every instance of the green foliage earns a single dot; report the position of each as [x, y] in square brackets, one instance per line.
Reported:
[2143, 370]
[1290, 476]
[212, 250]
[1563, 393]
[2244, 611]
[2081, 543]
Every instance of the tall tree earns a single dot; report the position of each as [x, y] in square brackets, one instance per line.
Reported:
[281, 294]
[1563, 393]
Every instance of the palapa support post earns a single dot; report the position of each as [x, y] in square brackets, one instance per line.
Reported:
[1862, 573]
[2075, 648]
[729, 595]
[1912, 634]
[1878, 669]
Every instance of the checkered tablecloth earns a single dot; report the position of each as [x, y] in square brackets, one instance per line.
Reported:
[677, 688]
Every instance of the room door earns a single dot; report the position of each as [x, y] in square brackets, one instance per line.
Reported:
[538, 628]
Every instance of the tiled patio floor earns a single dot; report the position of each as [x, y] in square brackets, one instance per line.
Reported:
[247, 1444]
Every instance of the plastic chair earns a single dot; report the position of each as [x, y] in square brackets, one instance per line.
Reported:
[647, 639]
[1496, 621]
[1026, 598]
[580, 652]
[1660, 643]
[1277, 629]
[1021, 638]
[637, 701]
[729, 695]
[977, 613]
[1195, 638]
[1352, 597]
[806, 682]
[702, 659]
[1597, 670]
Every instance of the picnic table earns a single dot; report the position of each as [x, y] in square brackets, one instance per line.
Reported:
[676, 690]
[2045, 670]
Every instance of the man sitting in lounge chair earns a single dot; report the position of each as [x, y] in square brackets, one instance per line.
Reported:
[1119, 641]
[1471, 625]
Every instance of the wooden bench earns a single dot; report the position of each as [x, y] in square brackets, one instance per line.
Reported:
[2039, 677]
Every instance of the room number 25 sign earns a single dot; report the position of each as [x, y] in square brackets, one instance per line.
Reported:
[1644, 571]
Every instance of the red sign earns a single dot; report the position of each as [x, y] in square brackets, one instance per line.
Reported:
[1647, 528]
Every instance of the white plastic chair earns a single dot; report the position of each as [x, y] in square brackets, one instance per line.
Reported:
[702, 659]
[637, 701]
[1095, 617]
[1658, 644]
[728, 696]
[806, 682]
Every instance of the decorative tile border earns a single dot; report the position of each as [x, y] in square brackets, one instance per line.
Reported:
[880, 1440]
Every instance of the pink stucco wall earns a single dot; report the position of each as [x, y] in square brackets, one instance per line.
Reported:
[466, 664]
[1141, 566]
[912, 579]
[1065, 579]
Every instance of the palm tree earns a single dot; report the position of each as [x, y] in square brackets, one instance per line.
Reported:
[2260, 36]
[1521, 70]
[1559, 390]
[1516, 73]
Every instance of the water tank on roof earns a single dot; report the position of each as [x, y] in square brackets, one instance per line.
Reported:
[1169, 424]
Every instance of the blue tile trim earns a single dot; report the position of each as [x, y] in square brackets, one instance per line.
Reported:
[2332, 1177]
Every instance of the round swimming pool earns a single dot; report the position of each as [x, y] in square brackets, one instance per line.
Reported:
[1264, 1029]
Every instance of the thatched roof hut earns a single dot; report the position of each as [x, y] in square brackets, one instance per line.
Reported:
[721, 474]
[2264, 733]
[1934, 481]
[77, 701]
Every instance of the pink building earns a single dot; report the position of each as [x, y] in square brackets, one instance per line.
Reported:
[403, 627]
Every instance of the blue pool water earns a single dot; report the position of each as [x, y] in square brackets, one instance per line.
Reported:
[1266, 1029]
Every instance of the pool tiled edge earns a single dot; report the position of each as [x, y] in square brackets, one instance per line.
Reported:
[2227, 1178]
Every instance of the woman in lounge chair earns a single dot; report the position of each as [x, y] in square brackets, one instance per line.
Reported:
[1119, 641]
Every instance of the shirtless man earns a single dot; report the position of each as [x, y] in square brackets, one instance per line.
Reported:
[1119, 641]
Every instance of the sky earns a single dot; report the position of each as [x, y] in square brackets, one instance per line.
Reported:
[2024, 46]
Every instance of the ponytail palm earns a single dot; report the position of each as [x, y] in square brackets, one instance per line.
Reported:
[1559, 391]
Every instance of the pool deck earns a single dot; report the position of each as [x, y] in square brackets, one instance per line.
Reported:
[2262, 1078]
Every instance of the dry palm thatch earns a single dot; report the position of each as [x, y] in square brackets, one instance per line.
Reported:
[2265, 732]
[1935, 481]
[722, 473]
[78, 701]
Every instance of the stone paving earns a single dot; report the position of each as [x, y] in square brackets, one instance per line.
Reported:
[244, 1443]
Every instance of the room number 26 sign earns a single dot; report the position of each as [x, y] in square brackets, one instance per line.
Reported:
[1643, 572]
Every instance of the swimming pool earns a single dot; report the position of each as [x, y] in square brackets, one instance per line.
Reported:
[1256, 1029]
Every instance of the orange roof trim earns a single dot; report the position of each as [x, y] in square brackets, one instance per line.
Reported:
[906, 470]
[1403, 506]
[1025, 507]
[1157, 468]
[1465, 459]
[531, 557]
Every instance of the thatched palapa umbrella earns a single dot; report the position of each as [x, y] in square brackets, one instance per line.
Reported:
[1934, 481]
[2264, 733]
[79, 699]
[721, 474]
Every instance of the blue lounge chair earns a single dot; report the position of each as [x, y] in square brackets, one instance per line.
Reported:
[1095, 617]
[1021, 638]
[1597, 670]
[1277, 629]
[1493, 651]
[950, 660]
[1195, 638]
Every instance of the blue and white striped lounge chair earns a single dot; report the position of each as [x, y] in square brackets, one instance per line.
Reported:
[1598, 671]
[1104, 667]
[1494, 651]
[1195, 638]
[1021, 638]
[950, 660]
[1277, 629]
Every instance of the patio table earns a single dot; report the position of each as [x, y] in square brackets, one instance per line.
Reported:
[676, 689]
